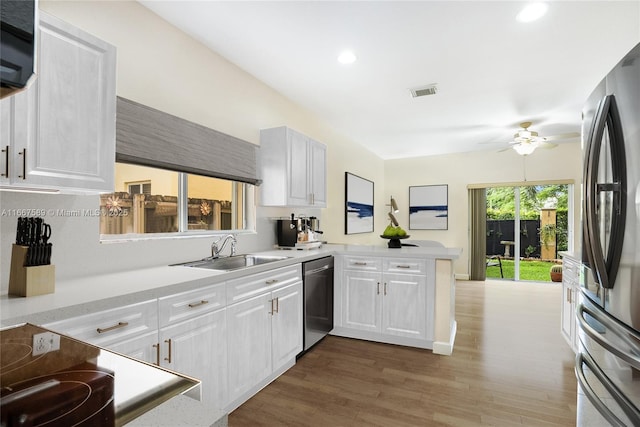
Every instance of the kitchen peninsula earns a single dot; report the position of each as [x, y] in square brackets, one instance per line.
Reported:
[411, 302]
[85, 295]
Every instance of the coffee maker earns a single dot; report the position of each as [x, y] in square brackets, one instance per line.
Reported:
[293, 231]
[287, 231]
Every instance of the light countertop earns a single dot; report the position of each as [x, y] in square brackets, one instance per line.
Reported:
[78, 296]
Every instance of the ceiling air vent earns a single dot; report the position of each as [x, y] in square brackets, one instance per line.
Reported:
[424, 90]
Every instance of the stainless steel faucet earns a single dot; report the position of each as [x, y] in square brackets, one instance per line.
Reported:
[215, 249]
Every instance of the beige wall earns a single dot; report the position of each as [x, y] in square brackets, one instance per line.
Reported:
[162, 67]
[488, 167]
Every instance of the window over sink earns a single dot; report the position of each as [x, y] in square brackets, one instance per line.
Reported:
[152, 202]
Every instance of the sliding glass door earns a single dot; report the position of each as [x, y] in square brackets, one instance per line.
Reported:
[526, 227]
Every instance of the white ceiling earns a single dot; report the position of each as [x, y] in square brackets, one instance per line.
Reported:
[492, 72]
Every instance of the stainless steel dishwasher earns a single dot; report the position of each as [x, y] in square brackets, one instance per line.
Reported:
[318, 300]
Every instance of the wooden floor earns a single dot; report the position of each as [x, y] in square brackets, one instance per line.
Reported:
[510, 366]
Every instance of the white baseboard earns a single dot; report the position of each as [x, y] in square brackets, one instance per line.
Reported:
[446, 348]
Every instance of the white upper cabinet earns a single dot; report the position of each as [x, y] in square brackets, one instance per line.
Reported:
[60, 132]
[293, 169]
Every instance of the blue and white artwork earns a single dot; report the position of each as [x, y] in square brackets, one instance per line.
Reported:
[358, 204]
[428, 207]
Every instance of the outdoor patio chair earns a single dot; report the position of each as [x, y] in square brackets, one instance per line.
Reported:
[495, 261]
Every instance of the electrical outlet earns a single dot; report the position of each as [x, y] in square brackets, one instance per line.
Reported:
[45, 342]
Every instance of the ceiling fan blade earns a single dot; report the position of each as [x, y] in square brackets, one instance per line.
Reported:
[545, 144]
[569, 135]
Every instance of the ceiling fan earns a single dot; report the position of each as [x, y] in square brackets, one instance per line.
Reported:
[526, 141]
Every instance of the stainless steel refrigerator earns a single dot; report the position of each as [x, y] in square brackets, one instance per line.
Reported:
[608, 314]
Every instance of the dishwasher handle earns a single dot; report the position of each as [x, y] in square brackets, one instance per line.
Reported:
[317, 270]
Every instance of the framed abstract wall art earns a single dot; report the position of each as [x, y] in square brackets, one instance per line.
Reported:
[358, 204]
[428, 207]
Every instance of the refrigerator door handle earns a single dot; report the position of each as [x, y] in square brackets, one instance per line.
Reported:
[624, 333]
[605, 266]
[627, 406]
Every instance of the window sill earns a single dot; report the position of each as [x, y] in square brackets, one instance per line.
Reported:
[124, 238]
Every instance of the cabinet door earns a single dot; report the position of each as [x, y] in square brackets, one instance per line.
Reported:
[248, 344]
[404, 310]
[361, 300]
[567, 313]
[318, 177]
[143, 347]
[197, 347]
[298, 167]
[71, 133]
[14, 134]
[286, 324]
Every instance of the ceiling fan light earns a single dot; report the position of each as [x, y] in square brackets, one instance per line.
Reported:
[524, 149]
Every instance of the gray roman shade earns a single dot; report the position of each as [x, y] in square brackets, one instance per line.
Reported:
[149, 137]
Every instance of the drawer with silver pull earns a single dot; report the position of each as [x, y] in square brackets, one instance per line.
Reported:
[362, 263]
[189, 304]
[109, 326]
[255, 284]
[405, 265]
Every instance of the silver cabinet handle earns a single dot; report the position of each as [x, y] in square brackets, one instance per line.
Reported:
[385, 288]
[359, 263]
[277, 305]
[168, 359]
[378, 288]
[271, 281]
[23, 153]
[6, 164]
[568, 295]
[272, 310]
[197, 304]
[111, 328]
[403, 266]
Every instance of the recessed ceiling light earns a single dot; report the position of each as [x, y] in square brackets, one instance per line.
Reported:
[532, 12]
[347, 57]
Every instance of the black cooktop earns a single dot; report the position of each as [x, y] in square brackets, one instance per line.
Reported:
[77, 384]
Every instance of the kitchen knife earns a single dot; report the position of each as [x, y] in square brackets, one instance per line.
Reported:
[18, 232]
[46, 246]
[38, 242]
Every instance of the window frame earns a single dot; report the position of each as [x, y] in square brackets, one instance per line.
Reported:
[248, 203]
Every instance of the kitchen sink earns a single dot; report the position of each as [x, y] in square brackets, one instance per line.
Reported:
[233, 262]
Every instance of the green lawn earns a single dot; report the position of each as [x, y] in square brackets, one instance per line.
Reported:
[529, 270]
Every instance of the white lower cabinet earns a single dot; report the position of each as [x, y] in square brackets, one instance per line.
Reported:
[286, 325]
[185, 333]
[382, 302]
[122, 329]
[570, 290]
[362, 300]
[249, 344]
[234, 350]
[141, 347]
[383, 298]
[197, 348]
[404, 305]
[264, 332]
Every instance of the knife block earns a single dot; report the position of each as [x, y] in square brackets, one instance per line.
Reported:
[29, 281]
